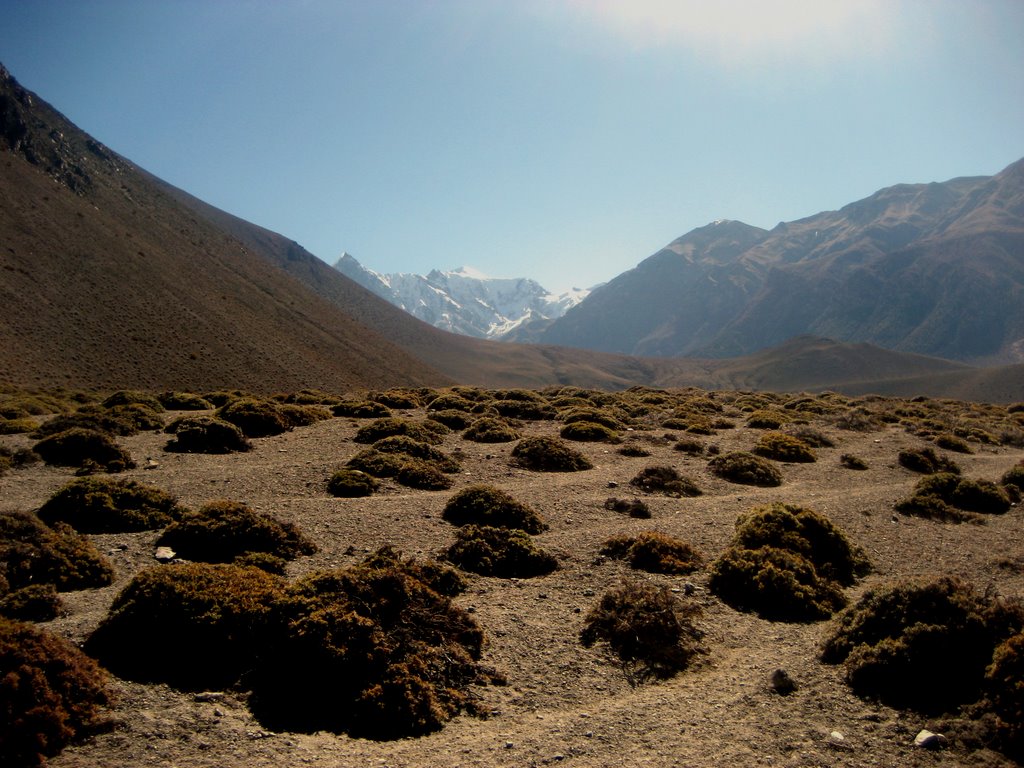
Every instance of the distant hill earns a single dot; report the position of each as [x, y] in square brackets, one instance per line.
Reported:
[463, 300]
[110, 277]
[934, 269]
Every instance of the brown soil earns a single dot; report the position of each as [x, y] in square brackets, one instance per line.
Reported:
[563, 703]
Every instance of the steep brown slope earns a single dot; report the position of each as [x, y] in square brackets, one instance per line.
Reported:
[107, 281]
[932, 269]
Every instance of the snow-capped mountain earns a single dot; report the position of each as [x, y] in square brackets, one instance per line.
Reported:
[466, 301]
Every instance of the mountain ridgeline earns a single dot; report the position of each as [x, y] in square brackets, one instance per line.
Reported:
[934, 269]
[112, 278]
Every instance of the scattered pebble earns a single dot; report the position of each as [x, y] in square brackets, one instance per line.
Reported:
[164, 554]
[928, 740]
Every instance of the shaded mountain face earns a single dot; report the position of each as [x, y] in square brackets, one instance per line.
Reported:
[108, 281]
[935, 269]
[463, 301]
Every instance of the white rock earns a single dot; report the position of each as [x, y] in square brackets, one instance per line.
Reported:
[928, 740]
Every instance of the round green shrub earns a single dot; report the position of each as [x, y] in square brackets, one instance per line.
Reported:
[745, 469]
[950, 498]
[526, 410]
[430, 432]
[206, 434]
[653, 552]
[593, 416]
[689, 446]
[440, 577]
[450, 401]
[632, 507]
[133, 397]
[184, 401]
[782, 447]
[295, 415]
[221, 530]
[850, 461]
[589, 432]
[548, 454]
[806, 533]
[407, 446]
[36, 602]
[503, 552]
[361, 409]
[195, 626]
[105, 505]
[808, 435]
[774, 583]
[634, 450]
[1014, 476]
[33, 553]
[895, 639]
[1004, 680]
[767, 418]
[351, 483]
[85, 448]
[926, 461]
[666, 480]
[256, 418]
[372, 651]
[423, 475]
[141, 418]
[488, 506]
[651, 632]
[490, 430]
[952, 443]
[377, 463]
[17, 426]
[51, 695]
[399, 399]
[451, 418]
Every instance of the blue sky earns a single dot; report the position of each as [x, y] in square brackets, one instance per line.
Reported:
[564, 140]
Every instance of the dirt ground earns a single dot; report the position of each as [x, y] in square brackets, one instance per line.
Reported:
[564, 704]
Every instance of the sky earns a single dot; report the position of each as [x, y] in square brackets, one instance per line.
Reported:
[562, 140]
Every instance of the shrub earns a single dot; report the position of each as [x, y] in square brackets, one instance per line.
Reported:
[377, 463]
[104, 505]
[767, 418]
[17, 426]
[36, 602]
[221, 530]
[423, 475]
[451, 418]
[302, 415]
[256, 418]
[782, 447]
[926, 462]
[488, 506]
[776, 584]
[133, 397]
[407, 446]
[424, 431]
[113, 423]
[139, 417]
[589, 432]
[809, 435]
[548, 454]
[806, 533]
[489, 430]
[787, 563]
[653, 552]
[1004, 680]
[184, 401]
[1014, 476]
[450, 402]
[502, 552]
[368, 650]
[689, 446]
[634, 450]
[895, 639]
[593, 416]
[850, 461]
[745, 469]
[666, 480]
[206, 434]
[527, 410]
[85, 448]
[632, 507]
[52, 694]
[646, 627]
[441, 578]
[361, 409]
[33, 553]
[947, 497]
[350, 483]
[400, 399]
[222, 611]
[952, 443]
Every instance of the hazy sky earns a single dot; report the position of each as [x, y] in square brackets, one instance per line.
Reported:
[564, 140]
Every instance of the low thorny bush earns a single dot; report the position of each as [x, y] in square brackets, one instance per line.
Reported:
[654, 552]
[205, 434]
[666, 480]
[548, 454]
[503, 552]
[489, 506]
[105, 505]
